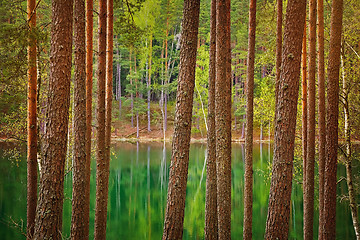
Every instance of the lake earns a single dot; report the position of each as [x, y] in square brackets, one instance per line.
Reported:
[138, 188]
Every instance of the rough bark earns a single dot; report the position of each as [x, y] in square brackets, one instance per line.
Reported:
[277, 225]
[211, 227]
[304, 105]
[48, 221]
[310, 158]
[102, 165]
[89, 86]
[279, 37]
[322, 113]
[174, 216]
[78, 218]
[223, 118]
[31, 123]
[329, 226]
[109, 75]
[248, 178]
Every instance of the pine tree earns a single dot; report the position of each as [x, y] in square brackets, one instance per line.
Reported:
[174, 216]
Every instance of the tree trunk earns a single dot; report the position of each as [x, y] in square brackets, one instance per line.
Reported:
[248, 178]
[277, 225]
[211, 225]
[131, 94]
[310, 158]
[118, 68]
[223, 118]
[174, 217]
[348, 154]
[279, 36]
[48, 221]
[31, 124]
[89, 86]
[304, 107]
[332, 120]
[149, 85]
[109, 76]
[322, 113]
[102, 165]
[79, 210]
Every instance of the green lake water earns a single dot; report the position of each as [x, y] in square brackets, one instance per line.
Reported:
[137, 194]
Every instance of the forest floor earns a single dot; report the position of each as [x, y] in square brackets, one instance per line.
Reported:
[123, 131]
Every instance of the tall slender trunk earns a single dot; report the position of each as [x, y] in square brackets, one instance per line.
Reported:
[31, 123]
[109, 75]
[102, 167]
[279, 37]
[48, 220]
[149, 84]
[211, 222]
[174, 217]
[304, 105]
[277, 225]
[248, 178]
[78, 216]
[322, 113]
[118, 68]
[89, 86]
[329, 225]
[223, 118]
[310, 158]
[131, 94]
[348, 154]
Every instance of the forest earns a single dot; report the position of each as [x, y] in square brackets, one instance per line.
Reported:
[84, 84]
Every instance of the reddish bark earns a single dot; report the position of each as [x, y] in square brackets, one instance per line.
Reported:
[211, 225]
[322, 113]
[332, 120]
[48, 221]
[223, 118]
[248, 189]
[78, 220]
[31, 124]
[174, 217]
[89, 86]
[277, 225]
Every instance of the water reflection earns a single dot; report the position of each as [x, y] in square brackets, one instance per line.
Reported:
[138, 189]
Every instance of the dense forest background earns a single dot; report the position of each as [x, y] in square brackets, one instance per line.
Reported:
[146, 60]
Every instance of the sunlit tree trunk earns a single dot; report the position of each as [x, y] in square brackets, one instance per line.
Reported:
[223, 118]
[321, 113]
[310, 158]
[279, 37]
[79, 211]
[48, 221]
[332, 120]
[348, 152]
[304, 105]
[211, 227]
[89, 86]
[174, 216]
[102, 165]
[277, 225]
[31, 123]
[109, 76]
[248, 178]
